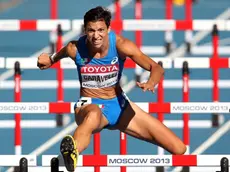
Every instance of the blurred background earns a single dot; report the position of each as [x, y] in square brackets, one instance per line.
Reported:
[29, 44]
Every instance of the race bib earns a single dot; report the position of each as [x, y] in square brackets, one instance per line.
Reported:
[84, 101]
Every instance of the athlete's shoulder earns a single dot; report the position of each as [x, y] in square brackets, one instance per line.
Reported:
[122, 42]
[71, 49]
[119, 38]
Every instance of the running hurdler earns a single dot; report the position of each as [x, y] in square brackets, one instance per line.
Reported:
[99, 56]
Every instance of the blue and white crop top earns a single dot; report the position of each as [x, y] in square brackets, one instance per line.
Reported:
[98, 72]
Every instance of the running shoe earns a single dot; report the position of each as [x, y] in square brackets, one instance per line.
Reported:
[69, 152]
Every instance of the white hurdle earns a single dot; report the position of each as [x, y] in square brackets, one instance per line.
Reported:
[13, 160]
[149, 107]
[143, 160]
[194, 62]
[112, 162]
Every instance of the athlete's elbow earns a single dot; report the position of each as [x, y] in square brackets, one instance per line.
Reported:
[160, 70]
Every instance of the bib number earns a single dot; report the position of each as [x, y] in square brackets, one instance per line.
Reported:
[84, 101]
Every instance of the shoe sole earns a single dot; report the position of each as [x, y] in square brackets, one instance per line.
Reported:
[67, 149]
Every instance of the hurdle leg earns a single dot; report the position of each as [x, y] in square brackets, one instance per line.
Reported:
[185, 169]
[159, 169]
[23, 165]
[224, 165]
[54, 164]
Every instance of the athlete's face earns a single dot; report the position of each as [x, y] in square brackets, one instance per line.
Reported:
[97, 33]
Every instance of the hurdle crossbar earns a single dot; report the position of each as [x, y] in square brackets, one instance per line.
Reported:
[144, 160]
[31, 63]
[195, 50]
[68, 107]
[13, 160]
[194, 62]
[126, 25]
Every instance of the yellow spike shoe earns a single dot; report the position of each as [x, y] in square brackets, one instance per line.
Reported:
[69, 152]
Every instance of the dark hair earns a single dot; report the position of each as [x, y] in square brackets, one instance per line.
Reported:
[97, 14]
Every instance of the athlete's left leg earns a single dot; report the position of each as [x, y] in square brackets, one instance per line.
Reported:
[137, 123]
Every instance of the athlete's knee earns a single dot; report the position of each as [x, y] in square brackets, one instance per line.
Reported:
[90, 115]
[179, 149]
[93, 118]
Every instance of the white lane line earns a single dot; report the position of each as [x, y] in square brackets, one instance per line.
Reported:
[213, 138]
[74, 84]
[8, 6]
[222, 42]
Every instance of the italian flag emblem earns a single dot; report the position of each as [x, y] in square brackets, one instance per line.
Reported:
[84, 60]
[101, 106]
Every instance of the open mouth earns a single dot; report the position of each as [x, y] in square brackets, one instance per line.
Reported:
[97, 42]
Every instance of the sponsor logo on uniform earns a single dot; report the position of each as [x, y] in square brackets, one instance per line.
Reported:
[99, 76]
[115, 60]
[99, 69]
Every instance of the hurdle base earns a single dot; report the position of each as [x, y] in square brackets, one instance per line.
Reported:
[185, 169]
[215, 120]
[159, 169]
[138, 78]
[17, 169]
[188, 47]
[168, 47]
[59, 120]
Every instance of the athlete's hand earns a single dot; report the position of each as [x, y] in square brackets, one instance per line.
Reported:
[146, 86]
[44, 61]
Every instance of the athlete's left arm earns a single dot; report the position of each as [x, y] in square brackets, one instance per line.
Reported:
[127, 48]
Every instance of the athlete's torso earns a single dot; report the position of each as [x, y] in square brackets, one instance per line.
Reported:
[99, 77]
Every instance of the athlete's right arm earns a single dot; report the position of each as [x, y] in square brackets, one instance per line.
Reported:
[46, 60]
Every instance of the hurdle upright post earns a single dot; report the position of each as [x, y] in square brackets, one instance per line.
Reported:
[188, 18]
[54, 165]
[224, 164]
[60, 92]
[23, 165]
[17, 117]
[97, 149]
[53, 15]
[168, 34]
[185, 74]
[138, 35]
[215, 73]
[117, 27]
[53, 9]
[116, 24]
[186, 132]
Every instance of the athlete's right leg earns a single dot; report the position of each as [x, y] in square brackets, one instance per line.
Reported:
[90, 120]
